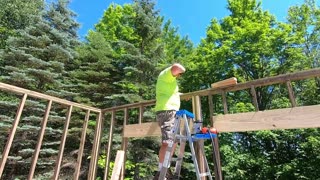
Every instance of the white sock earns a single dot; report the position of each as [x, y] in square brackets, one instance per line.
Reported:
[159, 166]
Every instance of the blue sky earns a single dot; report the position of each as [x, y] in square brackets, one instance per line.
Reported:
[191, 16]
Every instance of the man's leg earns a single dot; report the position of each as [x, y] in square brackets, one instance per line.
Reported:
[162, 152]
[166, 121]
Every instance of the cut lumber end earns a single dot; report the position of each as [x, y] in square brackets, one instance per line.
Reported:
[225, 83]
[117, 166]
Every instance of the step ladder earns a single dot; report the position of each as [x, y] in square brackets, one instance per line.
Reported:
[182, 134]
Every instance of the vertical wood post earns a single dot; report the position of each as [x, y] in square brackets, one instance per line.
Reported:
[224, 101]
[62, 144]
[141, 110]
[124, 144]
[12, 133]
[82, 141]
[106, 172]
[200, 143]
[291, 94]
[211, 108]
[95, 148]
[254, 98]
[39, 142]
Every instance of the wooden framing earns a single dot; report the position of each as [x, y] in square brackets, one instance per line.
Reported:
[225, 83]
[288, 118]
[118, 165]
[12, 134]
[142, 129]
[18, 90]
[40, 138]
[69, 105]
[62, 144]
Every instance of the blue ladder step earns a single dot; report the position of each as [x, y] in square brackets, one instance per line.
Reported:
[185, 112]
[203, 136]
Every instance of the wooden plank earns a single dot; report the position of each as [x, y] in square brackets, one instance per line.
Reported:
[198, 145]
[95, 147]
[225, 83]
[39, 142]
[124, 144]
[142, 130]
[258, 83]
[81, 147]
[141, 110]
[18, 90]
[239, 86]
[133, 105]
[288, 118]
[254, 98]
[62, 144]
[224, 102]
[291, 94]
[109, 148]
[12, 134]
[117, 166]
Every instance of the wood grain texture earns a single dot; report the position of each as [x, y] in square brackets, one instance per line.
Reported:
[225, 83]
[289, 118]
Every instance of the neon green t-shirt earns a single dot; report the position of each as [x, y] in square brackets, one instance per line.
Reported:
[167, 91]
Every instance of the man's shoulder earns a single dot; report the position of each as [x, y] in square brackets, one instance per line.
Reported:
[166, 74]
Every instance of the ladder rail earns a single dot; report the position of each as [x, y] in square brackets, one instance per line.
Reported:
[169, 150]
[184, 135]
[183, 142]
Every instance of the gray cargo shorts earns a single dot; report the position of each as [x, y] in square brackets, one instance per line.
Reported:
[166, 122]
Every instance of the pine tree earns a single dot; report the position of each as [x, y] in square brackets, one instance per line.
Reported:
[137, 49]
[134, 33]
[16, 14]
[93, 71]
[38, 59]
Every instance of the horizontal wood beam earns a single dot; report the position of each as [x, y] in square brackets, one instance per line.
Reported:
[288, 118]
[258, 83]
[231, 86]
[18, 90]
[141, 130]
[133, 105]
[280, 79]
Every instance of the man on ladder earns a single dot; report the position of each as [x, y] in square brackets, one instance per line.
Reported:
[167, 103]
[183, 134]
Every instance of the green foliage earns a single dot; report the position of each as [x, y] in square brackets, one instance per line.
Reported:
[16, 14]
[117, 23]
[37, 58]
[305, 24]
[270, 154]
[119, 62]
[93, 70]
[242, 107]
